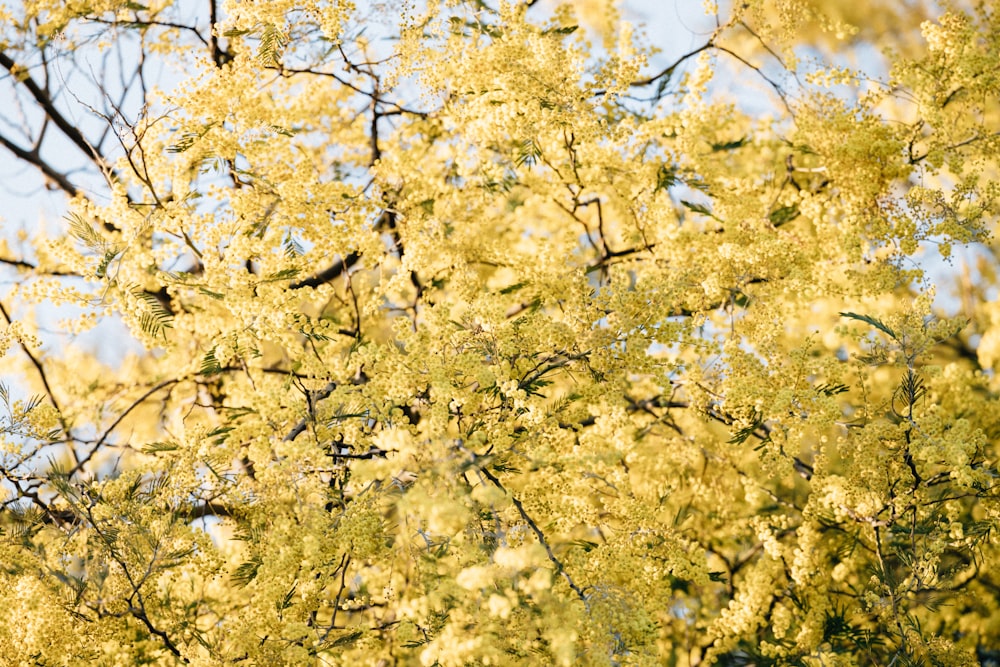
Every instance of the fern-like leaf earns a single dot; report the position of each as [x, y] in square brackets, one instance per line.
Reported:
[209, 364]
[697, 208]
[246, 572]
[81, 230]
[831, 389]
[154, 318]
[743, 434]
[528, 153]
[154, 447]
[292, 247]
[272, 45]
[874, 321]
[283, 274]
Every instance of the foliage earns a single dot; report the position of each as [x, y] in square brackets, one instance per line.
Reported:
[461, 334]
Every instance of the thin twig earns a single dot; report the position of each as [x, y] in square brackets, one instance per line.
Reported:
[107, 432]
[560, 568]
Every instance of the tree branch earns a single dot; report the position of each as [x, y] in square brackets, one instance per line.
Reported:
[560, 568]
[125, 413]
[32, 157]
[48, 106]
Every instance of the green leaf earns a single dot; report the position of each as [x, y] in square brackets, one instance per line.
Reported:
[666, 178]
[208, 292]
[286, 600]
[283, 131]
[877, 358]
[186, 141]
[729, 145]
[877, 323]
[783, 215]
[513, 288]
[528, 153]
[284, 274]
[272, 44]
[697, 208]
[564, 30]
[209, 364]
[743, 434]
[292, 247]
[33, 403]
[81, 230]
[831, 389]
[175, 557]
[910, 390]
[246, 572]
[586, 545]
[349, 638]
[505, 467]
[493, 31]
[154, 447]
[154, 319]
[219, 434]
[312, 335]
[102, 268]
[25, 522]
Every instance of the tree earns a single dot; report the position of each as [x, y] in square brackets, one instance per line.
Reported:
[480, 337]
